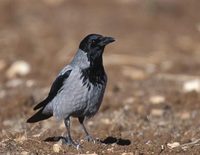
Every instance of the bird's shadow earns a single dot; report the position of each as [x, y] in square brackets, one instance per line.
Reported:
[109, 140]
[54, 139]
[113, 140]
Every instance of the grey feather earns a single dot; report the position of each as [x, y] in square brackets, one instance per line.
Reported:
[56, 87]
[75, 99]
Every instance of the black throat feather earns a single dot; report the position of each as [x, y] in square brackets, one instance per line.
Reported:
[94, 74]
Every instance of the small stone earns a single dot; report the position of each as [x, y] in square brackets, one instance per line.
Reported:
[37, 135]
[157, 99]
[24, 153]
[173, 145]
[191, 85]
[148, 142]
[20, 139]
[157, 112]
[90, 123]
[20, 68]
[110, 149]
[56, 148]
[126, 107]
[162, 147]
[127, 153]
[106, 121]
[89, 153]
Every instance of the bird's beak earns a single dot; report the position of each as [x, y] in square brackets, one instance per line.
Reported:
[106, 40]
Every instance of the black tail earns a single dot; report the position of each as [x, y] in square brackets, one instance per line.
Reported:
[39, 116]
[42, 104]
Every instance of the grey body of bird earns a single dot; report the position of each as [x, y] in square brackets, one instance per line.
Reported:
[79, 88]
[75, 98]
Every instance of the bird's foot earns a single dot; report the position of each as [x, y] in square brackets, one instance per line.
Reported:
[89, 138]
[70, 142]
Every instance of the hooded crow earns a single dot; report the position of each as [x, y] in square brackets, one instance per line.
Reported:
[79, 88]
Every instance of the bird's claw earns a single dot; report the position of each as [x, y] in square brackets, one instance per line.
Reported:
[90, 139]
[70, 142]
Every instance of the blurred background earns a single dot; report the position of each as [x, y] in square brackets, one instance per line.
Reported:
[152, 100]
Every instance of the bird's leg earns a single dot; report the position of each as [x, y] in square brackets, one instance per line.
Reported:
[88, 137]
[68, 140]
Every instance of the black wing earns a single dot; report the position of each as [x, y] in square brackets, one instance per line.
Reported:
[55, 88]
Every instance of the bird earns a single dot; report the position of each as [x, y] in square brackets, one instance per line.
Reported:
[78, 89]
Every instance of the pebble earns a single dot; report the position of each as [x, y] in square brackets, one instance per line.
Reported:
[126, 107]
[37, 135]
[191, 85]
[90, 123]
[24, 153]
[20, 68]
[20, 139]
[89, 153]
[157, 112]
[110, 149]
[56, 148]
[127, 153]
[106, 121]
[173, 145]
[157, 99]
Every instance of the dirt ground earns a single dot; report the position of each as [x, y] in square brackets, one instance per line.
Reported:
[152, 101]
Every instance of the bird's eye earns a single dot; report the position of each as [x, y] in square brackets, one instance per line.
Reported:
[93, 41]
